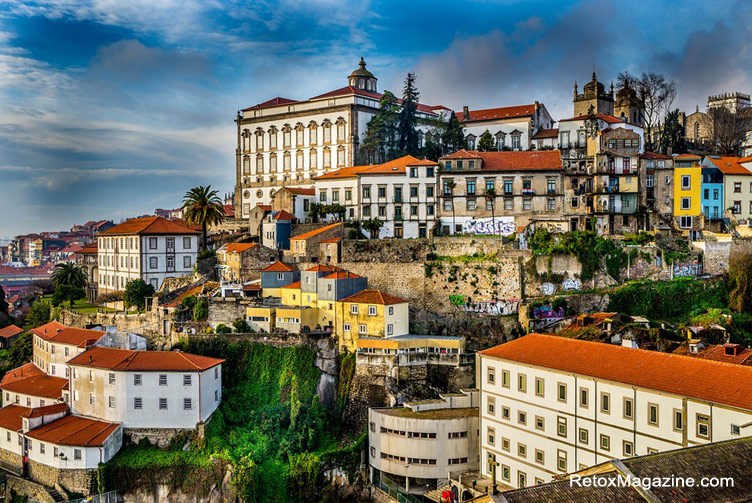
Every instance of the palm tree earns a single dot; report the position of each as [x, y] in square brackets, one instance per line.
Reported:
[203, 207]
[490, 195]
[70, 274]
[450, 185]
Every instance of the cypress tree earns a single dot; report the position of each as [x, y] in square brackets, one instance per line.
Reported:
[408, 118]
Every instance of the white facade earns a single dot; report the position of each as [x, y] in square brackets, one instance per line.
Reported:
[539, 423]
[152, 258]
[512, 128]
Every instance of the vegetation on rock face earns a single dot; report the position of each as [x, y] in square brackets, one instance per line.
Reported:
[270, 428]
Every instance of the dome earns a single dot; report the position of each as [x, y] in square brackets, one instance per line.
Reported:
[594, 85]
[361, 71]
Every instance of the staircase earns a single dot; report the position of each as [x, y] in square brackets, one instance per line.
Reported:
[435, 495]
[55, 494]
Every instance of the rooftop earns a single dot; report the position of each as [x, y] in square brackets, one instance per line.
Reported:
[315, 232]
[342, 274]
[529, 160]
[546, 133]
[301, 191]
[10, 331]
[496, 113]
[236, 247]
[279, 267]
[372, 296]
[125, 359]
[699, 378]
[80, 337]
[446, 413]
[731, 165]
[74, 430]
[47, 330]
[30, 380]
[148, 225]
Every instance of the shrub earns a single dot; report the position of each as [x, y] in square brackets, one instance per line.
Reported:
[223, 329]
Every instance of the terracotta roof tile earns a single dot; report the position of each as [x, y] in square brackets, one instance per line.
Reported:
[393, 167]
[301, 191]
[315, 232]
[279, 267]
[546, 133]
[74, 430]
[332, 240]
[30, 380]
[348, 172]
[529, 160]
[236, 247]
[294, 284]
[654, 155]
[55, 408]
[91, 248]
[461, 154]
[372, 296]
[324, 267]
[125, 359]
[283, 215]
[342, 275]
[148, 225]
[496, 113]
[47, 330]
[424, 162]
[10, 331]
[10, 417]
[731, 165]
[80, 337]
[687, 156]
[274, 102]
[718, 382]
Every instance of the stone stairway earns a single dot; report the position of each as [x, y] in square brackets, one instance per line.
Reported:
[55, 494]
[435, 495]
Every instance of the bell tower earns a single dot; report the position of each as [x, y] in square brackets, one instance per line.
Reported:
[362, 79]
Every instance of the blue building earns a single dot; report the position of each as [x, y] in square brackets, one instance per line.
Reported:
[712, 192]
[278, 275]
[276, 230]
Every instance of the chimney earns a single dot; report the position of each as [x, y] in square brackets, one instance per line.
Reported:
[89, 358]
[466, 112]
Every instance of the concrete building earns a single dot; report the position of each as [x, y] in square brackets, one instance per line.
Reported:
[657, 194]
[87, 257]
[417, 445]
[52, 347]
[552, 405]
[512, 128]
[276, 230]
[527, 185]
[294, 200]
[145, 389]
[152, 249]
[277, 275]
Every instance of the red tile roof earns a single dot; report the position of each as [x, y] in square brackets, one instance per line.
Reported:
[264, 207]
[236, 247]
[294, 284]
[332, 240]
[10, 331]
[30, 380]
[546, 133]
[80, 337]
[461, 154]
[282, 215]
[229, 210]
[393, 167]
[654, 155]
[731, 165]
[424, 162]
[342, 275]
[74, 430]
[372, 296]
[274, 102]
[315, 232]
[604, 117]
[687, 156]
[279, 267]
[148, 225]
[47, 330]
[348, 172]
[496, 113]
[301, 191]
[718, 382]
[10, 417]
[125, 359]
[324, 267]
[529, 160]
[55, 408]
[91, 248]
[348, 90]
[717, 352]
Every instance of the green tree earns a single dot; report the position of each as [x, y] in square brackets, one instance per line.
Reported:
[39, 314]
[450, 185]
[314, 212]
[69, 274]
[380, 141]
[432, 148]
[67, 293]
[201, 309]
[203, 207]
[136, 292]
[336, 210]
[490, 196]
[373, 225]
[673, 139]
[486, 142]
[740, 285]
[20, 351]
[223, 329]
[241, 326]
[4, 318]
[453, 137]
[408, 118]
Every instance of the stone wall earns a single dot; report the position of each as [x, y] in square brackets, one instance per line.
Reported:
[226, 310]
[160, 437]
[78, 481]
[164, 493]
[11, 461]
[27, 488]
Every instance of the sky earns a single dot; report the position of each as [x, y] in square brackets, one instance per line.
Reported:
[112, 108]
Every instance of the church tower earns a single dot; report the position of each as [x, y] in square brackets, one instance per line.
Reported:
[362, 78]
[593, 94]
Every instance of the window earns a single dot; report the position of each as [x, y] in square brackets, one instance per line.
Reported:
[583, 434]
[429, 191]
[162, 404]
[491, 406]
[539, 386]
[186, 243]
[685, 182]
[526, 203]
[505, 443]
[561, 460]
[628, 408]
[371, 310]
[41, 448]
[561, 426]
[216, 395]
[346, 327]
[678, 420]
[92, 399]
[508, 204]
[584, 397]
[508, 186]
[187, 379]
[540, 423]
[390, 329]
[163, 379]
[152, 243]
[490, 436]
[737, 207]
[187, 404]
[653, 414]
[551, 186]
[605, 442]
[703, 426]
[111, 402]
[111, 378]
[505, 470]
[76, 453]
[522, 417]
[505, 413]
[471, 187]
[562, 395]
[522, 450]
[605, 403]
[737, 187]
[138, 403]
[522, 383]
[363, 329]
[539, 457]
[736, 430]
[55, 451]
[137, 379]
[186, 262]
[391, 310]
[685, 222]
[628, 448]
[491, 375]
[153, 262]
[504, 378]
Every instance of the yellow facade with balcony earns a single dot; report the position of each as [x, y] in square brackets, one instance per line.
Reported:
[688, 192]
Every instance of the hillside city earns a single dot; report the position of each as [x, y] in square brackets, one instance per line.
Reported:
[402, 302]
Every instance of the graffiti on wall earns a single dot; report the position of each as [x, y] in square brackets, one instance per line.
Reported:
[548, 312]
[503, 226]
[548, 289]
[571, 284]
[502, 307]
[457, 300]
[687, 270]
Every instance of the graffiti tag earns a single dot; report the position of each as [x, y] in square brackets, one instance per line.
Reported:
[571, 284]
[548, 312]
[685, 270]
[548, 288]
[503, 226]
[457, 300]
[493, 307]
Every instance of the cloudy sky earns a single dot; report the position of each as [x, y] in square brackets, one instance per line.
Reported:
[111, 108]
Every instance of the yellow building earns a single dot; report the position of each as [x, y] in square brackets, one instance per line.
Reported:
[370, 313]
[230, 257]
[296, 319]
[688, 192]
[260, 318]
[291, 294]
[411, 344]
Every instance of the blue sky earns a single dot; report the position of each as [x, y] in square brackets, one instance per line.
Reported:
[109, 109]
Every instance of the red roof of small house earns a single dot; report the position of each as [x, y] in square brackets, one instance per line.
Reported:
[55, 408]
[80, 337]
[264, 207]
[731, 165]
[125, 359]
[252, 287]
[10, 417]
[301, 191]
[529, 160]
[717, 352]
[315, 232]
[236, 247]
[90, 249]
[10, 331]
[71, 249]
[654, 155]
[332, 240]
[30, 380]
[373, 296]
[74, 430]
[229, 210]
[546, 133]
[294, 284]
[279, 267]
[274, 102]
[47, 330]
[342, 275]
[148, 225]
[462, 154]
[282, 215]
[393, 167]
[604, 117]
[348, 172]
[496, 113]
[699, 378]
[687, 156]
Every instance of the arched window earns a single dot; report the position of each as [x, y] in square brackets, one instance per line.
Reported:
[327, 158]
[327, 132]
[259, 164]
[246, 165]
[500, 139]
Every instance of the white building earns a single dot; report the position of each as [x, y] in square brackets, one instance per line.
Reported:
[419, 444]
[552, 405]
[284, 142]
[512, 128]
[401, 193]
[151, 248]
[145, 389]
